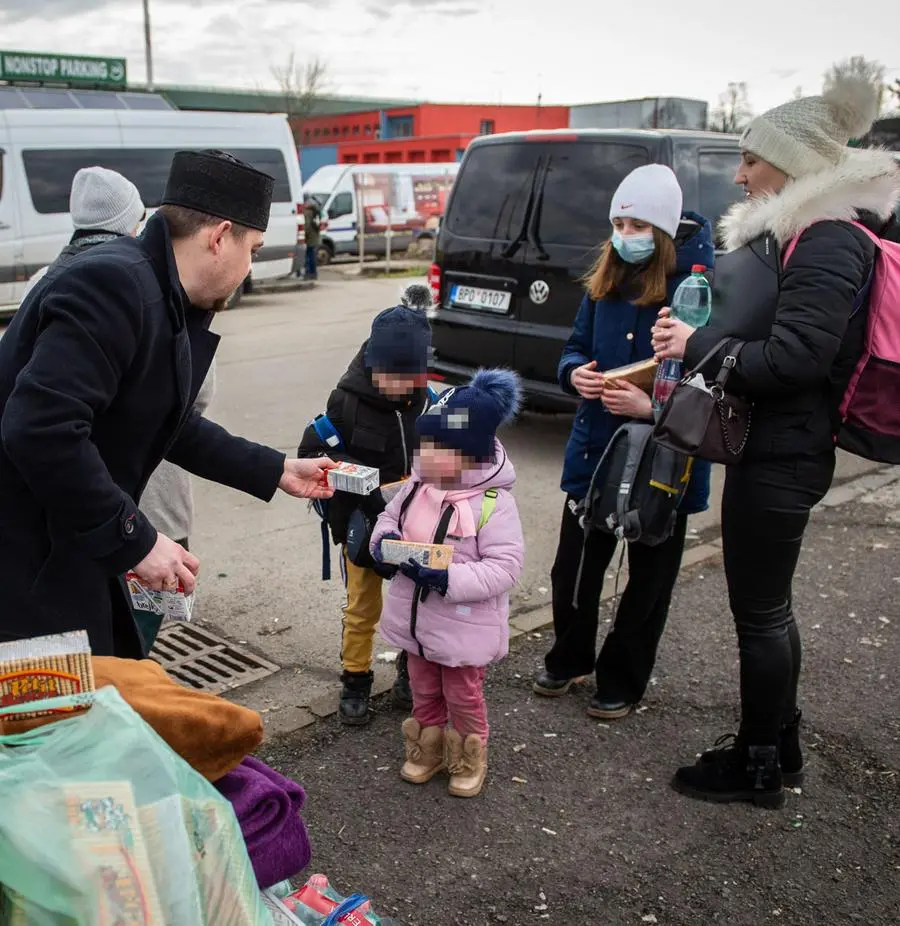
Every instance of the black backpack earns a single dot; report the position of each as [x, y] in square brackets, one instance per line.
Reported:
[635, 490]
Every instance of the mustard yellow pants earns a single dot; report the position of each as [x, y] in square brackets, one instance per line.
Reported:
[361, 615]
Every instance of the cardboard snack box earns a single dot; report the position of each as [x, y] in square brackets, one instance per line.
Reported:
[351, 477]
[390, 490]
[641, 374]
[431, 555]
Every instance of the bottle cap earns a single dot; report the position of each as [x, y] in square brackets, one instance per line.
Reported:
[698, 268]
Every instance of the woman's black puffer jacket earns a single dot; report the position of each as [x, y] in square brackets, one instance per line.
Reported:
[803, 323]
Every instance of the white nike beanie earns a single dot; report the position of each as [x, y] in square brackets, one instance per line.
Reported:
[102, 200]
[650, 194]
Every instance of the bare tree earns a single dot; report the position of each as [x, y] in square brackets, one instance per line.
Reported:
[872, 72]
[894, 91]
[733, 112]
[302, 87]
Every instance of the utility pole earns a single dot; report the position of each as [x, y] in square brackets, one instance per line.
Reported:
[148, 47]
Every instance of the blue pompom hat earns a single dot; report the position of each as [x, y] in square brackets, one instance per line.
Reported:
[467, 417]
[400, 341]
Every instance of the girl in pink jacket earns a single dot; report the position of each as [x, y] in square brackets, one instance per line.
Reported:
[453, 622]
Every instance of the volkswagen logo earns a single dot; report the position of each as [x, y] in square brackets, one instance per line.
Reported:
[539, 292]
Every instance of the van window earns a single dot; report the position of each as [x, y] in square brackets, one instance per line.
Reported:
[50, 172]
[342, 205]
[580, 181]
[717, 187]
[492, 191]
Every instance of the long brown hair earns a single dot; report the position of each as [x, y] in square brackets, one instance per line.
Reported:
[610, 273]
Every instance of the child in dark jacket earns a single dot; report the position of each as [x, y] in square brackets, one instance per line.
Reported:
[373, 410]
[651, 250]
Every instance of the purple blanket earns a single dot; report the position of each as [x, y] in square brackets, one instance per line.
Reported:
[267, 806]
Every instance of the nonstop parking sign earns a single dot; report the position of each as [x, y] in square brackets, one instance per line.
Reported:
[71, 70]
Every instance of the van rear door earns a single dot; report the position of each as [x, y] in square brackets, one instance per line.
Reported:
[482, 251]
[570, 220]
[11, 267]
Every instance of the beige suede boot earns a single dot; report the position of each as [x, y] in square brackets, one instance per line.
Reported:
[424, 752]
[467, 763]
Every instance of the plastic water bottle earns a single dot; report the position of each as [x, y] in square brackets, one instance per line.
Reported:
[691, 304]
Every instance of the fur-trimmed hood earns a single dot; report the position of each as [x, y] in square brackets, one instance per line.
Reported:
[866, 181]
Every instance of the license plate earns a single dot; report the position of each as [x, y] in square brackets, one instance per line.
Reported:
[475, 297]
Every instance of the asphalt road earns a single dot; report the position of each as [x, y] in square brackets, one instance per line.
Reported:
[279, 358]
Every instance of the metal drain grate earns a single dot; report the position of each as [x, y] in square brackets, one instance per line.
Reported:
[201, 660]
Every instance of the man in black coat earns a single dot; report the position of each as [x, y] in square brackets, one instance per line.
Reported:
[99, 371]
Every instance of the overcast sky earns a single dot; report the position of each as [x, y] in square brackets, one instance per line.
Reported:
[571, 51]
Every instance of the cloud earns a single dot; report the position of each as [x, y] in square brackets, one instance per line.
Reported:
[20, 11]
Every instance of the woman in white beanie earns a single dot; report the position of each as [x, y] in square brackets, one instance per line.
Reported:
[652, 247]
[103, 205]
[801, 323]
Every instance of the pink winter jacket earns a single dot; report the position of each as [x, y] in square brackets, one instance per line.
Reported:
[470, 625]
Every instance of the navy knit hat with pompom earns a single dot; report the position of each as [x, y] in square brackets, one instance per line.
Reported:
[400, 341]
[467, 417]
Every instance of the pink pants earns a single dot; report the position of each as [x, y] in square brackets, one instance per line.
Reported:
[442, 694]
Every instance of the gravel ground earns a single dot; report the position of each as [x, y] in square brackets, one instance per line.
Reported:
[578, 823]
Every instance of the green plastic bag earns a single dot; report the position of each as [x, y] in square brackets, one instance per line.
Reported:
[102, 824]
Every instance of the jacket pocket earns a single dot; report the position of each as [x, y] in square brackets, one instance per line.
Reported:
[368, 439]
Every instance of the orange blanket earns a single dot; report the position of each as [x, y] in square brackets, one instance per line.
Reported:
[211, 734]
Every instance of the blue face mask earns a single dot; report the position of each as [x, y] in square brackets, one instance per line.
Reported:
[633, 249]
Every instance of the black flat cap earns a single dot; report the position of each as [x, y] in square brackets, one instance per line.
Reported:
[218, 184]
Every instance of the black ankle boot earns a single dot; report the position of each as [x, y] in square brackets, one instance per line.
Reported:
[401, 693]
[790, 753]
[355, 696]
[734, 773]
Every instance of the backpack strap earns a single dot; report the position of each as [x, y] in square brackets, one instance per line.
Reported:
[629, 520]
[488, 504]
[327, 432]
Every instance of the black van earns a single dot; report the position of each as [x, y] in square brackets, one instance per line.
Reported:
[525, 218]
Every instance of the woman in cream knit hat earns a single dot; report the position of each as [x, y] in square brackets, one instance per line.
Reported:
[802, 324]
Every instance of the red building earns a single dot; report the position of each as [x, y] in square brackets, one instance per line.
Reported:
[429, 132]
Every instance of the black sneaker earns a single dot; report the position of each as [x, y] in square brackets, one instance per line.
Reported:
[549, 686]
[734, 772]
[355, 697]
[790, 755]
[609, 708]
[401, 693]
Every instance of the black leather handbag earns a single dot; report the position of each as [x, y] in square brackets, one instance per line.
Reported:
[708, 423]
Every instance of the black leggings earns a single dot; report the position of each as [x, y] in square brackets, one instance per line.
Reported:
[628, 654]
[765, 510]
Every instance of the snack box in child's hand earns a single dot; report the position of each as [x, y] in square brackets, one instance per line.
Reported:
[430, 555]
[640, 374]
[390, 490]
[351, 477]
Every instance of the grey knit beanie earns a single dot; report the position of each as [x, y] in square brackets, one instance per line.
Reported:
[810, 135]
[102, 200]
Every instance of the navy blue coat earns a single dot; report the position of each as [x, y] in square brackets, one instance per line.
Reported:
[615, 332]
[99, 371]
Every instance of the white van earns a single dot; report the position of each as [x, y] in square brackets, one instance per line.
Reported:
[412, 196]
[41, 150]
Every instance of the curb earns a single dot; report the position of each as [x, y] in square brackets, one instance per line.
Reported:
[283, 286]
[534, 621]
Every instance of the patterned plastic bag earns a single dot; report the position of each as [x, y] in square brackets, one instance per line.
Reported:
[101, 823]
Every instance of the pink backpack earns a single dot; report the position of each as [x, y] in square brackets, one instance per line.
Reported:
[870, 409]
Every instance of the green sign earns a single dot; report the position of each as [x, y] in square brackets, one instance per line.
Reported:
[71, 70]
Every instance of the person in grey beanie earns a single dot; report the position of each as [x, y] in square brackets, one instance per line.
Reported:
[103, 205]
[790, 310]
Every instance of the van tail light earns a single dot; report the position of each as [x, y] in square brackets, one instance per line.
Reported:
[300, 223]
[434, 281]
